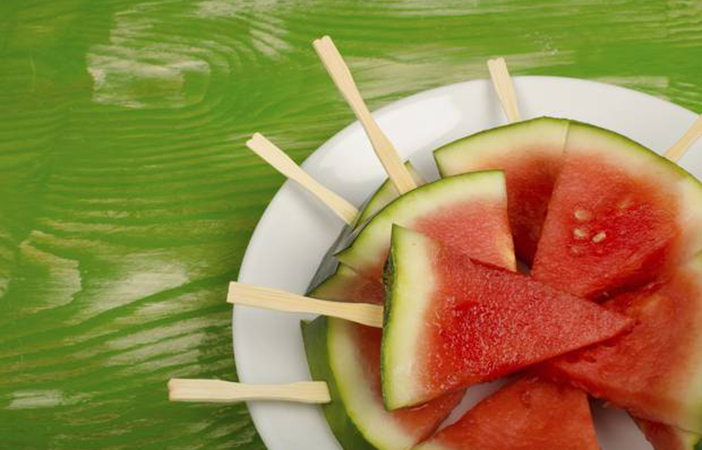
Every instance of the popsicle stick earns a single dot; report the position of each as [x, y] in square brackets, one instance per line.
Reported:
[218, 391]
[502, 83]
[678, 149]
[340, 74]
[267, 298]
[283, 164]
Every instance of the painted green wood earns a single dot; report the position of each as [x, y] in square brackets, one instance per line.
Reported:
[127, 197]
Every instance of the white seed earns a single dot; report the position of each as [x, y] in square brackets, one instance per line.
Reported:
[579, 233]
[625, 203]
[582, 215]
[599, 237]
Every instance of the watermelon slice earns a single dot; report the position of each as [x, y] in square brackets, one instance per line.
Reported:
[655, 370]
[467, 212]
[347, 355]
[529, 414]
[666, 437]
[530, 153]
[620, 216]
[451, 322]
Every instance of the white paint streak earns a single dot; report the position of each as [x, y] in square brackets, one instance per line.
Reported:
[36, 399]
[128, 74]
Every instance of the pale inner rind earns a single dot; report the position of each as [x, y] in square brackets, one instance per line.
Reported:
[412, 292]
[367, 413]
[543, 135]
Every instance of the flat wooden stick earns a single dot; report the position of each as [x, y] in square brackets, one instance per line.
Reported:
[678, 149]
[275, 299]
[339, 72]
[283, 164]
[502, 83]
[218, 391]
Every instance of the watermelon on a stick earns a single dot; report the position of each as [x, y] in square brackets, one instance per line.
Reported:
[451, 322]
[467, 212]
[620, 216]
[347, 355]
[528, 414]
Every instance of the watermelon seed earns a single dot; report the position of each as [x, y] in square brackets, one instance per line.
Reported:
[579, 233]
[599, 237]
[582, 215]
[625, 203]
[576, 249]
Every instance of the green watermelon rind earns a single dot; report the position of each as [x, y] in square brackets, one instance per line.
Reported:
[316, 337]
[371, 242]
[463, 155]
[409, 282]
[384, 195]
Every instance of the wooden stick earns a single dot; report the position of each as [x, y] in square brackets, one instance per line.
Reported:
[678, 149]
[261, 297]
[218, 391]
[340, 74]
[502, 83]
[283, 164]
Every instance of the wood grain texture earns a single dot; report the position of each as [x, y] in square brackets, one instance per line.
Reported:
[125, 206]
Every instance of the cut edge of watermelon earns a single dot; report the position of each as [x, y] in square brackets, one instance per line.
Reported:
[488, 184]
[415, 278]
[466, 154]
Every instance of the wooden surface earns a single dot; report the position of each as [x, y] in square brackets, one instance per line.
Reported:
[127, 196]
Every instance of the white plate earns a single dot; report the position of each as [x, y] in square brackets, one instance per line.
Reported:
[295, 231]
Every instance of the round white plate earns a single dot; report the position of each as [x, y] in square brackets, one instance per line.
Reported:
[296, 230]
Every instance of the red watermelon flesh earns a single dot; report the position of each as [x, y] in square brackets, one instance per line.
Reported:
[530, 153]
[451, 322]
[666, 437]
[620, 216]
[529, 414]
[467, 212]
[654, 370]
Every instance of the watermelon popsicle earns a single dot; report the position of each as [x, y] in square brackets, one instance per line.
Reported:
[620, 216]
[347, 355]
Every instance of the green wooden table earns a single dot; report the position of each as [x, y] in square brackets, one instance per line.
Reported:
[127, 197]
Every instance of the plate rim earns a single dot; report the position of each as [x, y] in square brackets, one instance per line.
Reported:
[328, 145]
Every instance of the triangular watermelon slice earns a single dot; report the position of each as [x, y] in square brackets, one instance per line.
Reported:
[620, 216]
[529, 414]
[655, 370]
[530, 153]
[667, 437]
[347, 355]
[468, 212]
[451, 322]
